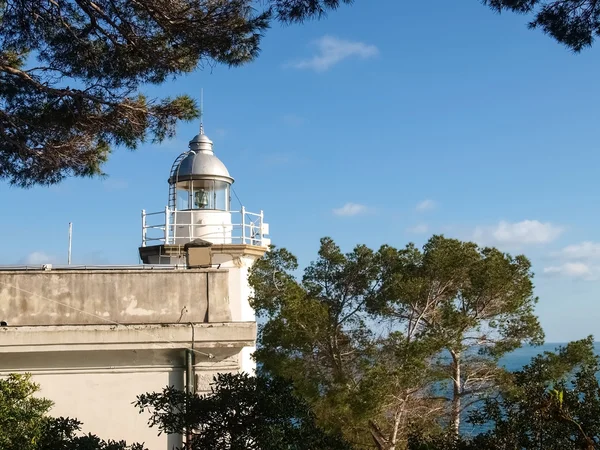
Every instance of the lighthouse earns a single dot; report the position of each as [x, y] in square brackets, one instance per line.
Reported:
[110, 333]
[199, 228]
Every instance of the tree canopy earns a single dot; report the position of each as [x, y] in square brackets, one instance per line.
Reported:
[241, 413]
[574, 23]
[551, 403]
[71, 72]
[475, 303]
[372, 338]
[21, 413]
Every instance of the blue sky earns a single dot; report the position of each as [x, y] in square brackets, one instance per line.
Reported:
[384, 123]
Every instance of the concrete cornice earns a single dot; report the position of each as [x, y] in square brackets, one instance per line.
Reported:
[239, 249]
[99, 270]
[178, 250]
[127, 337]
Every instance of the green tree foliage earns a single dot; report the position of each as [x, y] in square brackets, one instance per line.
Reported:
[65, 434]
[315, 327]
[241, 413]
[574, 23]
[319, 334]
[25, 424]
[22, 415]
[553, 403]
[476, 303]
[364, 335]
[71, 72]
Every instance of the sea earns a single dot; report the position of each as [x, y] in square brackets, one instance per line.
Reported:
[515, 361]
[522, 356]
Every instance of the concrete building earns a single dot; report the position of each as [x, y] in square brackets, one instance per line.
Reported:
[96, 337]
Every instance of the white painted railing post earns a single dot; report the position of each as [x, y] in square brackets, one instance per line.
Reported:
[262, 218]
[143, 227]
[167, 225]
[243, 224]
[174, 225]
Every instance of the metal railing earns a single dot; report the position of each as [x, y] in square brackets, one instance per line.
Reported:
[129, 267]
[245, 228]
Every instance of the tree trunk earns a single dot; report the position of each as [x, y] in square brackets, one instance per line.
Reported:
[381, 442]
[456, 392]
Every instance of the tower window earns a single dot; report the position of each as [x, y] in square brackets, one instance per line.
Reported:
[203, 194]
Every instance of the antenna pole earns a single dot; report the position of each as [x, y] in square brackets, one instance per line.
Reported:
[201, 111]
[70, 241]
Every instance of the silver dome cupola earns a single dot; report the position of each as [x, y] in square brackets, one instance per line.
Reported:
[198, 179]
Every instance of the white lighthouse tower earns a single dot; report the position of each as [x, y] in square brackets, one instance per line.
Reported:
[199, 228]
[110, 333]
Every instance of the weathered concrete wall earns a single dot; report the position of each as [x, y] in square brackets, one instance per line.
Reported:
[239, 260]
[59, 330]
[95, 372]
[103, 402]
[73, 297]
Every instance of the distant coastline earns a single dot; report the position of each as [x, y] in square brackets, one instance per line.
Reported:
[522, 356]
[515, 361]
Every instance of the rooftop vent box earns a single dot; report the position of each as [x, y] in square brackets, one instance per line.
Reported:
[198, 257]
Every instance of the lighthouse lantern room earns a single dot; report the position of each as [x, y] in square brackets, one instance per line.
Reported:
[199, 195]
[199, 180]
[199, 206]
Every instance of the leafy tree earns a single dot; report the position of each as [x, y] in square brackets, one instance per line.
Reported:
[361, 378]
[476, 303]
[22, 415]
[71, 72]
[241, 413]
[552, 403]
[574, 23]
[367, 336]
[65, 434]
[315, 329]
[25, 424]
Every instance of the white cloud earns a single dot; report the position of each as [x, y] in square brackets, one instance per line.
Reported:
[585, 250]
[577, 261]
[350, 209]
[37, 258]
[332, 50]
[577, 270]
[426, 205]
[419, 229]
[518, 233]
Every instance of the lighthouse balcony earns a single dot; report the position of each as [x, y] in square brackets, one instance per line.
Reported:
[178, 227]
